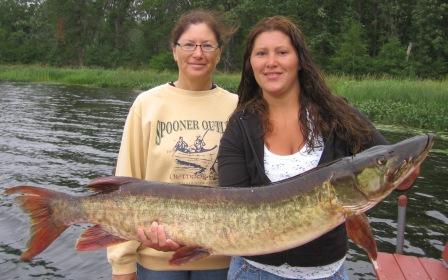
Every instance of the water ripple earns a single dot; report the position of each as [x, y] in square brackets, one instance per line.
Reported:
[62, 137]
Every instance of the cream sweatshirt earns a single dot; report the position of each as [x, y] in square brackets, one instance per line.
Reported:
[171, 135]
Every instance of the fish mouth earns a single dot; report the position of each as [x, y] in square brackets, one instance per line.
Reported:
[404, 166]
[425, 152]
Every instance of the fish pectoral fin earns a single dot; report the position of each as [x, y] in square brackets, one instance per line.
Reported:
[96, 238]
[359, 231]
[187, 254]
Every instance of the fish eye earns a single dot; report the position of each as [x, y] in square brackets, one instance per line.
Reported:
[381, 160]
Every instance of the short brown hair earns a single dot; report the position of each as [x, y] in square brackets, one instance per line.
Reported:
[213, 20]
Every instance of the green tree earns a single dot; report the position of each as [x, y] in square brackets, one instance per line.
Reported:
[430, 21]
[19, 40]
[135, 33]
[320, 22]
[384, 19]
[352, 55]
[391, 58]
[70, 26]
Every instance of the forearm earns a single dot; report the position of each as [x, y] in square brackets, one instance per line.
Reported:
[123, 257]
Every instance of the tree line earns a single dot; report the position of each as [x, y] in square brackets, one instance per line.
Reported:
[406, 38]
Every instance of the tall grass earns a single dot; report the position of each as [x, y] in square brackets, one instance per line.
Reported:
[409, 103]
[415, 103]
[119, 78]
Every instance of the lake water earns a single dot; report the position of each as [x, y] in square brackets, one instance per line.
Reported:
[61, 137]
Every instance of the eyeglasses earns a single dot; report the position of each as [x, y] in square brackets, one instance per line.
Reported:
[190, 47]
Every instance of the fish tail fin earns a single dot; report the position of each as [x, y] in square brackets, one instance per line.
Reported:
[45, 229]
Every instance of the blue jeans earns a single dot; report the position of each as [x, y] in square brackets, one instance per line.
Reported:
[240, 269]
[212, 274]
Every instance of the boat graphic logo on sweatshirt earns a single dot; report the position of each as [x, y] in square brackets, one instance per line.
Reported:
[194, 149]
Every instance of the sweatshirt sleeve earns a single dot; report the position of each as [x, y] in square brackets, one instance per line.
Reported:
[131, 157]
[232, 166]
[123, 257]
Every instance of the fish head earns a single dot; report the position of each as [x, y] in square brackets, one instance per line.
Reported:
[381, 169]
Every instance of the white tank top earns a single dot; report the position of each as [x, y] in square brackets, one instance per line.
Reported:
[278, 167]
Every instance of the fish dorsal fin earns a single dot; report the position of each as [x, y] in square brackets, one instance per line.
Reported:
[110, 183]
[187, 254]
[96, 238]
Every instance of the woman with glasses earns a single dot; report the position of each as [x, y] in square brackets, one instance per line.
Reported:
[171, 135]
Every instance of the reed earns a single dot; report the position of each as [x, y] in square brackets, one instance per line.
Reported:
[415, 103]
[409, 103]
[119, 78]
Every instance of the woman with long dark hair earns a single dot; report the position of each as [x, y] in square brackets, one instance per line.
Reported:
[288, 121]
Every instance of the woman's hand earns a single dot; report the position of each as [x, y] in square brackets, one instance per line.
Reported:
[156, 238]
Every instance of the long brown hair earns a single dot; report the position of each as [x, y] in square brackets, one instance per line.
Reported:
[324, 111]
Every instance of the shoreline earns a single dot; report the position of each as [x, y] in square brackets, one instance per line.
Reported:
[414, 104]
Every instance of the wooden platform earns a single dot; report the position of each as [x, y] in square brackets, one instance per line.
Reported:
[402, 267]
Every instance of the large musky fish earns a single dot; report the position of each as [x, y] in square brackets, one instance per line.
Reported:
[224, 221]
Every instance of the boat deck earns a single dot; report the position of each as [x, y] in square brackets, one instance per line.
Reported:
[402, 267]
[397, 266]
